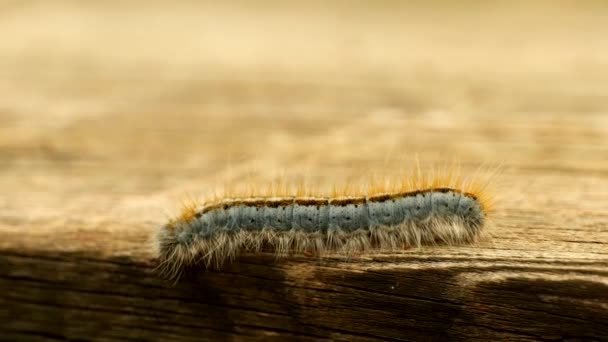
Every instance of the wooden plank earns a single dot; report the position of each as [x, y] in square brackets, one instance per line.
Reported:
[99, 141]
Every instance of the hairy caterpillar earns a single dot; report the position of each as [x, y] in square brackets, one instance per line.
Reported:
[413, 212]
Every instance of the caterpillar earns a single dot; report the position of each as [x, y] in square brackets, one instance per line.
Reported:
[412, 211]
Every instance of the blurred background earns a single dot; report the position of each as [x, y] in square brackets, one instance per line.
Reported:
[110, 110]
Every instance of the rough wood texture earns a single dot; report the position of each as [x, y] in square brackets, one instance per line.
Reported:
[112, 112]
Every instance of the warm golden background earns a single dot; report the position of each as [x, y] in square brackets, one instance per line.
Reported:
[112, 112]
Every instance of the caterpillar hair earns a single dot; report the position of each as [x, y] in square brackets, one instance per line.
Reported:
[410, 211]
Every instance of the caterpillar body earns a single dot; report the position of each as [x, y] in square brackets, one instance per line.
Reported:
[415, 214]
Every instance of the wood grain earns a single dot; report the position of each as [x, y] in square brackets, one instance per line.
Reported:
[113, 112]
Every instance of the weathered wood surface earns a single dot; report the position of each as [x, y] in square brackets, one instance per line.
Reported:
[111, 113]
